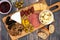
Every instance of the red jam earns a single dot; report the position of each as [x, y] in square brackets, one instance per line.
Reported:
[4, 7]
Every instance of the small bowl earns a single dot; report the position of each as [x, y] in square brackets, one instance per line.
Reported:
[10, 6]
[46, 18]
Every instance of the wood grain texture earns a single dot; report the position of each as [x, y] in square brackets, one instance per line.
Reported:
[33, 36]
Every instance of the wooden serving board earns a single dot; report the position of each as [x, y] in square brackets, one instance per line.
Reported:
[24, 33]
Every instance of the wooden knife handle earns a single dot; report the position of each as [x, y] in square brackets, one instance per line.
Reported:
[53, 5]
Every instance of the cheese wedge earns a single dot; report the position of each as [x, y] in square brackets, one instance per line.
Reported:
[16, 17]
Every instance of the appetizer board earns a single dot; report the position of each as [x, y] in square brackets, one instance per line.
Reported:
[34, 11]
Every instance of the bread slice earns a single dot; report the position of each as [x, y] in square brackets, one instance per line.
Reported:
[44, 33]
[51, 28]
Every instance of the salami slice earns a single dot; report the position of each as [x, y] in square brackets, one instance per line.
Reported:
[33, 18]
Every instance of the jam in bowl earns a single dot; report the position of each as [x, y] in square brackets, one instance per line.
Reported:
[5, 7]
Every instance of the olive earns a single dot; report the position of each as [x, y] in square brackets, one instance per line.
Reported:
[7, 20]
[11, 22]
[21, 2]
[21, 5]
[17, 3]
[26, 30]
[31, 30]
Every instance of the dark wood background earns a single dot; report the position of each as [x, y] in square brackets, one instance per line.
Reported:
[33, 36]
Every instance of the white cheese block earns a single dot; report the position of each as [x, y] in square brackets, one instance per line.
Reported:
[16, 17]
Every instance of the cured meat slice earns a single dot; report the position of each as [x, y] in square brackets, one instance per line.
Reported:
[33, 18]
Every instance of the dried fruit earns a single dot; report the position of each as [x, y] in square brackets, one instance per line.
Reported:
[27, 12]
[32, 10]
[22, 13]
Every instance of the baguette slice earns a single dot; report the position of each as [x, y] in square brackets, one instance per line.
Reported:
[44, 34]
[51, 29]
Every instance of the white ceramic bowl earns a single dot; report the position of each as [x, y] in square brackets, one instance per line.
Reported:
[46, 17]
[10, 6]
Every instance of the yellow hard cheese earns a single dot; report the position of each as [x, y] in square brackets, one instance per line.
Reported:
[40, 6]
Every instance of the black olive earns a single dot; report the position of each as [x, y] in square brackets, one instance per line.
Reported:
[9, 22]
[12, 22]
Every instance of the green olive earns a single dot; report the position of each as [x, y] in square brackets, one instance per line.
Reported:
[31, 30]
[21, 5]
[18, 6]
[17, 3]
[22, 2]
[26, 30]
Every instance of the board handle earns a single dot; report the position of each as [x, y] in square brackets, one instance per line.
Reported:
[56, 4]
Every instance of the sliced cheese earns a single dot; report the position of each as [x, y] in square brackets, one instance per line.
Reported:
[16, 17]
[40, 6]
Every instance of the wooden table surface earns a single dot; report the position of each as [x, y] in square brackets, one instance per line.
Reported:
[33, 36]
